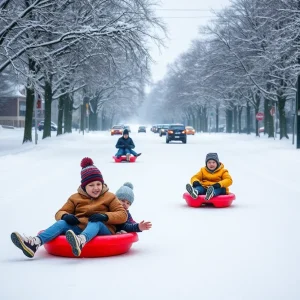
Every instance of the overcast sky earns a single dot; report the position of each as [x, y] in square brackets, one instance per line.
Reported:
[183, 18]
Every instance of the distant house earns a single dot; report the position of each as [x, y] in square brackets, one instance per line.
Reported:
[13, 106]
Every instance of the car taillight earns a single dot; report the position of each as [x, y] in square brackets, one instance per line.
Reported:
[170, 131]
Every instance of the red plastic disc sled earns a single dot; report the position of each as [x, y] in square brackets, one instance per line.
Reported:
[218, 201]
[99, 246]
[123, 158]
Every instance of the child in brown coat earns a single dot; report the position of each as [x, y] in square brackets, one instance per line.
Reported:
[92, 211]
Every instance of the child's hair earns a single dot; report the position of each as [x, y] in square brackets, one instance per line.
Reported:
[125, 192]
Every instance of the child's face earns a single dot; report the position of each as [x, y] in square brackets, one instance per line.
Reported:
[211, 164]
[126, 136]
[94, 189]
[125, 203]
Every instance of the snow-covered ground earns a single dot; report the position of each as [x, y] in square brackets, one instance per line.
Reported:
[249, 251]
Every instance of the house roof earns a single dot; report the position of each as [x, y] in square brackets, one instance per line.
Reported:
[13, 90]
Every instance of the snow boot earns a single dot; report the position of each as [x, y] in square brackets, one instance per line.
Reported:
[191, 191]
[76, 241]
[209, 193]
[28, 245]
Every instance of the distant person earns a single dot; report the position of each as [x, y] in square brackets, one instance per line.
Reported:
[125, 145]
[92, 211]
[212, 180]
[126, 196]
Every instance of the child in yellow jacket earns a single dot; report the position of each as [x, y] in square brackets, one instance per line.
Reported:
[212, 180]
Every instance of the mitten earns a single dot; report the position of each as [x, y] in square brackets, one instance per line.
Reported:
[216, 185]
[196, 183]
[98, 218]
[70, 219]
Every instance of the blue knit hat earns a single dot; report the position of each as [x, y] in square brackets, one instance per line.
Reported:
[125, 192]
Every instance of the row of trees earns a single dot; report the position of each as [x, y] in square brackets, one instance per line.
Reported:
[246, 59]
[87, 52]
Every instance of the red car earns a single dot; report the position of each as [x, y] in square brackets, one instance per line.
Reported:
[117, 130]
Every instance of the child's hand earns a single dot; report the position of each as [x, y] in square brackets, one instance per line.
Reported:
[145, 225]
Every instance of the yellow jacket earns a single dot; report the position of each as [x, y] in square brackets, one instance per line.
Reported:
[208, 178]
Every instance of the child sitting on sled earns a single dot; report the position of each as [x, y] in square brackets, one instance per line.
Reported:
[92, 211]
[126, 145]
[212, 180]
[126, 196]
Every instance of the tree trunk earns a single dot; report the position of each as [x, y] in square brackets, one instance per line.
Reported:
[68, 111]
[240, 112]
[198, 118]
[217, 117]
[235, 119]
[93, 121]
[29, 106]
[48, 101]
[256, 108]
[28, 115]
[282, 117]
[82, 118]
[204, 123]
[248, 117]
[229, 120]
[60, 114]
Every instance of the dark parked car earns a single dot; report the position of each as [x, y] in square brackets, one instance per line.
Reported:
[156, 128]
[176, 133]
[142, 129]
[41, 126]
[163, 130]
[127, 127]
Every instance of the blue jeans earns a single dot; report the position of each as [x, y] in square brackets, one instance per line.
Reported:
[61, 227]
[124, 151]
[202, 191]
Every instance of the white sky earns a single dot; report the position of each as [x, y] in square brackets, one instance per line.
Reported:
[249, 251]
[182, 28]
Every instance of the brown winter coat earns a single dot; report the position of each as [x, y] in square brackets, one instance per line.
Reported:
[83, 206]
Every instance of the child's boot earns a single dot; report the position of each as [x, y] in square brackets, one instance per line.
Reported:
[28, 245]
[191, 191]
[209, 193]
[77, 242]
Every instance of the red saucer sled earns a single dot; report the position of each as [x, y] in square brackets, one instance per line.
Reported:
[123, 158]
[99, 246]
[218, 201]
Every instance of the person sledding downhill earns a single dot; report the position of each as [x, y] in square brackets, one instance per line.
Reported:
[125, 145]
[92, 211]
[212, 180]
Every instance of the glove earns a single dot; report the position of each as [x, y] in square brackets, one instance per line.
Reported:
[196, 183]
[216, 185]
[98, 218]
[70, 219]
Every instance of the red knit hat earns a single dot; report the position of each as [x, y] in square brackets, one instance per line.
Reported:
[89, 172]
